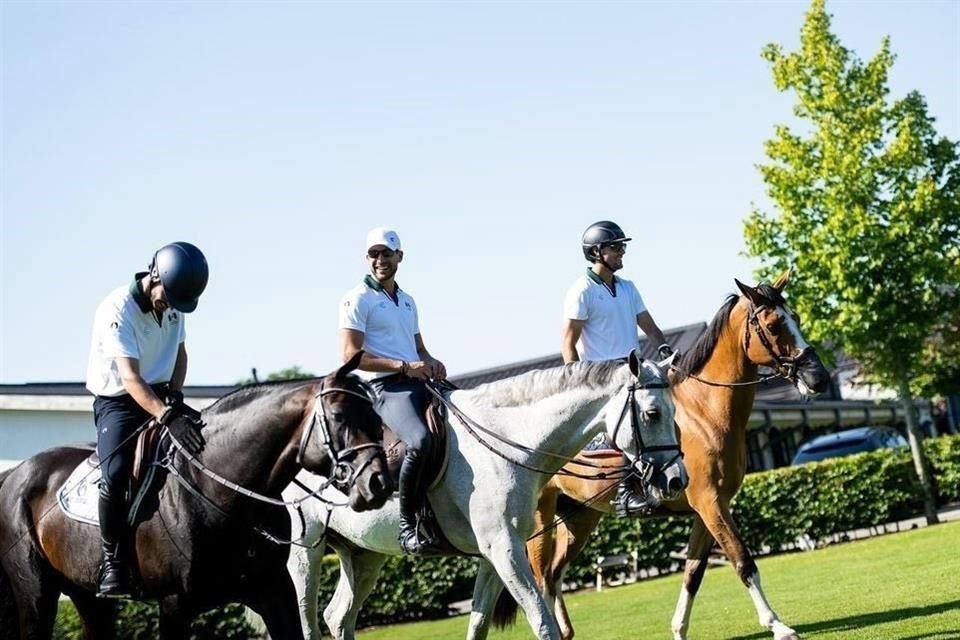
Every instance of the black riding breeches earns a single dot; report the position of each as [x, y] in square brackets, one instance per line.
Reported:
[401, 406]
[117, 419]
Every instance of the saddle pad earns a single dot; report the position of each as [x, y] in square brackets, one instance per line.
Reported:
[80, 495]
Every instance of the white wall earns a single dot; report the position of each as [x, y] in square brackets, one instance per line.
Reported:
[24, 432]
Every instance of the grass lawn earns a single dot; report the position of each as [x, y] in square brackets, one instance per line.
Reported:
[904, 586]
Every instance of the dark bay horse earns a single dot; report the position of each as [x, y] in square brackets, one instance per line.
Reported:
[206, 544]
[713, 389]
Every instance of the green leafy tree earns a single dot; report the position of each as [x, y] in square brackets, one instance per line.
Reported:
[868, 215]
[290, 373]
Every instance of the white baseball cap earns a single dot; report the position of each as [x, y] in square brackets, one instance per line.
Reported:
[385, 237]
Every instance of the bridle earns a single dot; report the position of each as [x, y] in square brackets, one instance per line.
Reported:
[344, 473]
[643, 467]
[630, 404]
[343, 476]
[784, 366]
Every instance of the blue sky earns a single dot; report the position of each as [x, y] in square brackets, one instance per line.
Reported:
[489, 135]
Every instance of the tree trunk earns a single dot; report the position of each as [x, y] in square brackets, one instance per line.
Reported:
[920, 464]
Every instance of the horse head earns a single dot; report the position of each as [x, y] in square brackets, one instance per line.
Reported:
[640, 422]
[772, 338]
[343, 439]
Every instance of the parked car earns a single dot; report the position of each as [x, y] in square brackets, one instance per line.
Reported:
[844, 443]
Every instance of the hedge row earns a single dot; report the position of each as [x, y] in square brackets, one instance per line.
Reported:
[773, 509]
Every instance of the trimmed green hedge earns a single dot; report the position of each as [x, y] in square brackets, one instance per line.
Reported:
[773, 509]
[140, 621]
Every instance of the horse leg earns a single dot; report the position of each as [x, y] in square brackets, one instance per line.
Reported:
[698, 549]
[276, 603]
[541, 547]
[174, 619]
[719, 521]
[572, 536]
[359, 570]
[302, 566]
[486, 590]
[507, 555]
[97, 615]
[35, 592]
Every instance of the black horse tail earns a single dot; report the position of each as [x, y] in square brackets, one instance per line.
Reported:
[505, 611]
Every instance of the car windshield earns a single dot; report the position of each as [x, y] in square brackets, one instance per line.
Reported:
[833, 449]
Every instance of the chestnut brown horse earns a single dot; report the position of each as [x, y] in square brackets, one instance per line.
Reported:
[713, 389]
[211, 540]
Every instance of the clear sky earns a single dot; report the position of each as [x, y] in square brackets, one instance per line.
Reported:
[489, 135]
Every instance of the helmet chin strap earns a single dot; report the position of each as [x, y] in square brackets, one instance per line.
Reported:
[603, 261]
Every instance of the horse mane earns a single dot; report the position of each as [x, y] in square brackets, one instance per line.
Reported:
[532, 386]
[251, 392]
[693, 361]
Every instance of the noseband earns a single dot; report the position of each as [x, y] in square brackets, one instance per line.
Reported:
[785, 366]
[344, 473]
[645, 469]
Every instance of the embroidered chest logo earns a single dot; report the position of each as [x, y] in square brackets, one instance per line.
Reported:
[408, 306]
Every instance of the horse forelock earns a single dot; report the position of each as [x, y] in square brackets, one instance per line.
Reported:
[693, 361]
[532, 386]
[771, 294]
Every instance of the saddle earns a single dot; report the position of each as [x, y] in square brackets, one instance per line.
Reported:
[435, 417]
[78, 497]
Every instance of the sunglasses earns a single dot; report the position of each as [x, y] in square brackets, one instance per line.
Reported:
[373, 254]
[616, 246]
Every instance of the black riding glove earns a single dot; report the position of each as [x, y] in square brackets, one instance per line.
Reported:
[184, 427]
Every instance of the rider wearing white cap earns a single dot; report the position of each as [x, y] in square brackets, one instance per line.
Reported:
[381, 319]
[601, 314]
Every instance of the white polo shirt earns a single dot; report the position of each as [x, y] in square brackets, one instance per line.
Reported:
[124, 326]
[610, 331]
[388, 325]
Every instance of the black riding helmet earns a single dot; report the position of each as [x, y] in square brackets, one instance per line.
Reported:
[183, 272]
[599, 234]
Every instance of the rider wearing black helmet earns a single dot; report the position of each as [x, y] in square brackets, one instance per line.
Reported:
[137, 366]
[601, 315]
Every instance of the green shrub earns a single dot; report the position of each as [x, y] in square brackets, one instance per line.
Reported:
[140, 621]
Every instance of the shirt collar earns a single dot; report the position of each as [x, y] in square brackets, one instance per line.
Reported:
[612, 288]
[142, 299]
[371, 282]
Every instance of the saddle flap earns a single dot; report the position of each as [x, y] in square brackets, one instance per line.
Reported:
[436, 462]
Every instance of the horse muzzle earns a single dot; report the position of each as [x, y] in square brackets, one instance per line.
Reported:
[811, 377]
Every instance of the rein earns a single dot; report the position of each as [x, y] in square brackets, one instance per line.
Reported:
[344, 474]
[617, 473]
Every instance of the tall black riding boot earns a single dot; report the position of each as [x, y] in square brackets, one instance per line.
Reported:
[412, 538]
[114, 576]
[629, 501]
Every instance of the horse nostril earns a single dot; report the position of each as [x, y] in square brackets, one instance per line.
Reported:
[376, 483]
[675, 485]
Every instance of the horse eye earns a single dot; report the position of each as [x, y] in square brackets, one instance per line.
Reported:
[774, 326]
[337, 416]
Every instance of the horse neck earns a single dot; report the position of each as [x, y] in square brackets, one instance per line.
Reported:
[562, 424]
[254, 448]
[725, 408]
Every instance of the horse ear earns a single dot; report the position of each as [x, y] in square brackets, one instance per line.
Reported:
[635, 362]
[782, 281]
[752, 294]
[350, 365]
